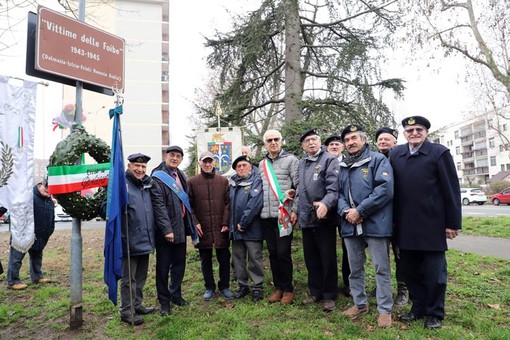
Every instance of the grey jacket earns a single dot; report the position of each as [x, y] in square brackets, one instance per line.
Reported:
[318, 182]
[285, 166]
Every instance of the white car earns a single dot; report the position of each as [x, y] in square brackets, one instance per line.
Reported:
[60, 215]
[472, 195]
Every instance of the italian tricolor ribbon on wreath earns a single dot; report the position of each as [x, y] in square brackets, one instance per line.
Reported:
[284, 224]
[71, 178]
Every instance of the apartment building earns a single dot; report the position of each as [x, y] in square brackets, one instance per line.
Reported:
[480, 146]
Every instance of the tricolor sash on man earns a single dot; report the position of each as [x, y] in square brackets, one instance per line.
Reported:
[284, 223]
[71, 178]
[183, 196]
[117, 198]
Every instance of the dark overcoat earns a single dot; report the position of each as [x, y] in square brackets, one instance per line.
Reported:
[44, 219]
[210, 202]
[427, 197]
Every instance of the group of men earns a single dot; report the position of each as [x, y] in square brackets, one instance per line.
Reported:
[372, 198]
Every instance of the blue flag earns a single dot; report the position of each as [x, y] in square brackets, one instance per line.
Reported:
[117, 199]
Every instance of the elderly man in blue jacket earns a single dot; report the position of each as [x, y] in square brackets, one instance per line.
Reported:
[365, 206]
[246, 200]
[318, 195]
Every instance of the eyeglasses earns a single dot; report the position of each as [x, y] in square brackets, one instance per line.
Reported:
[270, 140]
[411, 130]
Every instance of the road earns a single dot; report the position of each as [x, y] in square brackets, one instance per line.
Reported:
[485, 210]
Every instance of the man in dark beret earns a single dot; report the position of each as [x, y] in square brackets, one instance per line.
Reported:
[173, 221]
[386, 139]
[351, 128]
[423, 225]
[138, 240]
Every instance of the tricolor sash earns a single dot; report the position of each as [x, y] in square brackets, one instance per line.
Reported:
[284, 224]
[183, 196]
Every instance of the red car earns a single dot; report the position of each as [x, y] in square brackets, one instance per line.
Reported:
[501, 197]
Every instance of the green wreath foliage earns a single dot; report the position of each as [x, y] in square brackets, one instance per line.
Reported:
[68, 152]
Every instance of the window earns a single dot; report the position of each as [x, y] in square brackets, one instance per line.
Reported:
[491, 142]
[493, 160]
[457, 150]
[459, 167]
[456, 134]
[507, 166]
[505, 127]
[502, 167]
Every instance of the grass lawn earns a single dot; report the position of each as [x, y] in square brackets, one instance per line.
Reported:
[477, 304]
[486, 226]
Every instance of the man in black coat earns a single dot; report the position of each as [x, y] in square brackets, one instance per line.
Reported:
[44, 225]
[427, 211]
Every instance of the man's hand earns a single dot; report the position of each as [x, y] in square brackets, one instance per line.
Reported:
[199, 230]
[224, 228]
[169, 237]
[321, 210]
[451, 233]
[293, 218]
[353, 216]
[240, 228]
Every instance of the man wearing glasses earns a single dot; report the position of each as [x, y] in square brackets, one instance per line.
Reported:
[279, 173]
[427, 211]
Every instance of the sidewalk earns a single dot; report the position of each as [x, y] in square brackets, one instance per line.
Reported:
[482, 245]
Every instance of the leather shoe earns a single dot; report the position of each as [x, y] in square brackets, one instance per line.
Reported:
[242, 292]
[208, 295]
[409, 317]
[42, 280]
[137, 319]
[311, 299]
[329, 305]
[227, 293]
[165, 310]
[432, 322]
[179, 301]
[144, 310]
[287, 298]
[17, 286]
[256, 296]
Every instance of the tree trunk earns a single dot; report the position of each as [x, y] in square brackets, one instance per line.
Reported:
[293, 89]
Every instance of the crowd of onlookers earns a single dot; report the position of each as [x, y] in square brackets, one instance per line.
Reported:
[373, 199]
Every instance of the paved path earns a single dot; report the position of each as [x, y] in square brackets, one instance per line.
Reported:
[482, 245]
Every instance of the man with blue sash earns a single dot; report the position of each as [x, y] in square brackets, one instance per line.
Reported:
[173, 222]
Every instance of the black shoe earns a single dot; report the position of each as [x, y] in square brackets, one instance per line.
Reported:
[409, 317]
[432, 322]
[137, 319]
[242, 292]
[164, 310]
[257, 296]
[179, 301]
[145, 310]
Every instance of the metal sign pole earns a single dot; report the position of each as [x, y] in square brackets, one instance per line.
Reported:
[76, 313]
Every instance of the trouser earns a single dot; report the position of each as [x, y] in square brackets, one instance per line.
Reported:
[378, 247]
[15, 262]
[170, 259]
[346, 270]
[223, 257]
[280, 254]
[398, 267]
[254, 269]
[426, 276]
[137, 267]
[319, 249]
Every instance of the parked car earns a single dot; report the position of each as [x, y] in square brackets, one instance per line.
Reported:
[472, 195]
[501, 197]
[61, 215]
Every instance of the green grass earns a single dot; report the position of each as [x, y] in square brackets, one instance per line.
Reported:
[477, 305]
[486, 226]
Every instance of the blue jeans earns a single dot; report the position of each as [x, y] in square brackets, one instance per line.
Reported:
[378, 247]
[15, 262]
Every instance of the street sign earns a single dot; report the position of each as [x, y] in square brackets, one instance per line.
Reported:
[76, 50]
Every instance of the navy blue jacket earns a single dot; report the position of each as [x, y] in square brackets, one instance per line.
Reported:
[246, 201]
[44, 219]
[427, 197]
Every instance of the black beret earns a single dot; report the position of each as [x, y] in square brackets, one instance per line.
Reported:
[307, 133]
[351, 128]
[332, 138]
[242, 158]
[386, 129]
[138, 158]
[174, 148]
[416, 120]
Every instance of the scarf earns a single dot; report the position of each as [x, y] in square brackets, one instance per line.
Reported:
[351, 159]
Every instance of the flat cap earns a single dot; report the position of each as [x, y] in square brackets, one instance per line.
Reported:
[138, 158]
[413, 120]
[332, 138]
[351, 128]
[242, 158]
[205, 155]
[386, 129]
[307, 133]
[174, 148]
